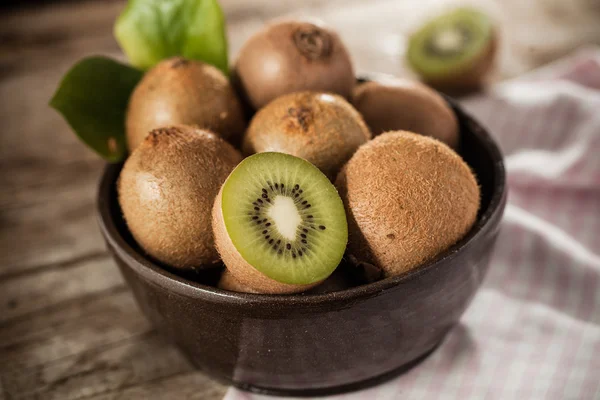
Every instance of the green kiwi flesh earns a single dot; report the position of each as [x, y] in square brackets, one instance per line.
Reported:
[279, 224]
[454, 48]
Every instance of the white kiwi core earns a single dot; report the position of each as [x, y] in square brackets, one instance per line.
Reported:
[285, 215]
[449, 40]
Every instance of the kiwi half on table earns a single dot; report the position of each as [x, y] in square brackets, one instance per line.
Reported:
[279, 224]
[454, 51]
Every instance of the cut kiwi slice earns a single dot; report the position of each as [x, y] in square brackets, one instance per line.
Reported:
[280, 216]
[452, 44]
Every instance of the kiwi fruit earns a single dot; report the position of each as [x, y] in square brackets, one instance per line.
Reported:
[279, 224]
[181, 91]
[394, 104]
[228, 282]
[454, 51]
[166, 190]
[336, 282]
[322, 128]
[408, 198]
[292, 56]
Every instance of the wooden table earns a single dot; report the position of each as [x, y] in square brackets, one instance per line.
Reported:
[69, 328]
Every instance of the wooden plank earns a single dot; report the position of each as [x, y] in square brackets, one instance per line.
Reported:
[191, 386]
[113, 367]
[80, 326]
[26, 295]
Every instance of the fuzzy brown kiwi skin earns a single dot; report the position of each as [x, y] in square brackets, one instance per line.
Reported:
[228, 282]
[401, 104]
[181, 91]
[322, 128]
[291, 56]
[336, 282]
[473, 77]
[166, 190]
[244, 273]
[408, 198]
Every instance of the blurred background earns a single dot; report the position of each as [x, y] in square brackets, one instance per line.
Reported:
[68, 324]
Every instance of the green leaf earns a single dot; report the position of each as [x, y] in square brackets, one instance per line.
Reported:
[93, 98]
[152, 30]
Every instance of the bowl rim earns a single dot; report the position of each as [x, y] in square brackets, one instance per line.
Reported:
[155, 273]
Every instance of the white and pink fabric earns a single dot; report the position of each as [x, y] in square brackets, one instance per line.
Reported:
[533, 330]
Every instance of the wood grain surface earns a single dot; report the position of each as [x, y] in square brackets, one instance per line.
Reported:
[69, 328]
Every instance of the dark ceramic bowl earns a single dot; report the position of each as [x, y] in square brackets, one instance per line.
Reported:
[317, 344]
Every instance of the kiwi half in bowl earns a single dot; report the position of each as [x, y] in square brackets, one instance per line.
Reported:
[454, 51]
[279, 224]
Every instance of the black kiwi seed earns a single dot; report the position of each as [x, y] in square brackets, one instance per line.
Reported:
[268, 224]
[304, 230]
[259, 200]
[255, 217]
[276, 186]
[256, 208]
[264, 232]
[271, 241]
[303, 235]
[264, 196]
[267, 237]
[288, 246]
[296, 187]
[310, 216]
[278, 241]
[304, 241]
[322, 227]
[305, 201]
[264, 190]
[300, 253]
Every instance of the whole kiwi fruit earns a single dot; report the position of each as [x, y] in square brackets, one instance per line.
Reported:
[393, 104]
[166, 191]
[181, 91]
[291, 56]
[408, 198]
[322, 128]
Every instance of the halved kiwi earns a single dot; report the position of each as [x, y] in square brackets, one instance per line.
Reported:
[454, 51]
[279, 224]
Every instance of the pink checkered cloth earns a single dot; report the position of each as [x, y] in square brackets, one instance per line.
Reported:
[533, 329]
